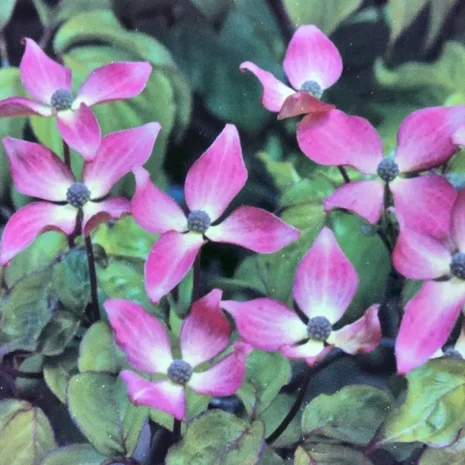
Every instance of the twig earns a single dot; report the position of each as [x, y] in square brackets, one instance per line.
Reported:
[95, 314]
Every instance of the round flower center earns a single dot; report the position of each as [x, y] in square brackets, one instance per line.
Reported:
[319, 328]
[388, 170]
[198, 221]
[450, 352]
[457, 265]
[62, 99]
[179, 372]
[312, 88]
[78, 194]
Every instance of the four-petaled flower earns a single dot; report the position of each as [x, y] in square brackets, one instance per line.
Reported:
[324, 285]
[40, 173]
[423, 203]
[312, 65]
[205, 334]
[211, 184]
[49, 83]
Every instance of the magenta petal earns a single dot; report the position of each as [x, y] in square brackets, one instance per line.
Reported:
[335, 138]
[80, 130]
[425, 140]
[365, 198]
[458, 222]
[118, 153]
[418, 256]
[217, 176]
[153, 209]
[361, 336]
[424, 204]
[140, 335]
[427, 322]
[20, 106]
[169, 261]
[206, 331]
[42, 76]
[30, 221]
[325, 281]
[114, 81]
[254, 229]
[265, 323]
[311, 56]
[96, 213]
[163, 395]
[301, 103]
[37, 171]
[274, 91]
[226, 376]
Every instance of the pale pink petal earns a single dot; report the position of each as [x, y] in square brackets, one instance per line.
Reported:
[42, 76]
[37, 171]
[225, 377]
[255, 229]
[153, 209]
[80, 130]
[424, 204]
[418, 256]
[206, 331]
[30, 221]
[311, 56]
[169, 261]
[265, 323]
[427, 322]
[114, 81]
[311, 351]
[325, 281]
[163, 395]
[301, 103]
[458, 222]
[217, 176]
[365, 198]
[361, 336]
[458, 137]
[274, 91]
[118, 153]
[140, 335]
[335, 138]
[96, 213]
[424, 139]
[20, 106]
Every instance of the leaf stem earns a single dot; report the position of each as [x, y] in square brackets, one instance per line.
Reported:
[344, 174]
[95, 314]
[176, 430]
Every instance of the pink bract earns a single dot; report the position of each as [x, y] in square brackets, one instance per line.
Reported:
[205, 334]
[211, 184]
[38, 172]
[49, 83]
[312, 64]
[324, 286]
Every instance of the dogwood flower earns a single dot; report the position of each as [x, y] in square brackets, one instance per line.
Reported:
[211, 184]
[312, 65]
[324, 285]
[205, 334]
[49, 83]
[38, 172]
[455, 351]
[424, 141]
[431, 314]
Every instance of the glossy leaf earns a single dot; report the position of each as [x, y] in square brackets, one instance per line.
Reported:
[76, 454]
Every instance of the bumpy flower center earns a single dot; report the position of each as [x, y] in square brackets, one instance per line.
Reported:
[198, 221]
[319, 328]
[388, 170]
[450, 352]
[62, 99]
[78, 194]
[457, 265]
[312, 88]
[179, 372]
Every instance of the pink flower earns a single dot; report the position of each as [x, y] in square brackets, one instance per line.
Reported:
[324, 285]
[38, 172]
[430, 315]
[49, 83]
[455, 351]
[423, 203]
[205, 334]
[312, 65]
[211, 184]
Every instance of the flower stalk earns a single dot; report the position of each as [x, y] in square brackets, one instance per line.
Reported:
[95, 312]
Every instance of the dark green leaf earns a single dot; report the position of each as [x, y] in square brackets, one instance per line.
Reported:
[76, 454]
[330, 454]
[59, 370]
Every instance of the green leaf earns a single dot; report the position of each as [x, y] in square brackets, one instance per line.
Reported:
[402, 14]
[352, 415]
[433, 456]
[330, 454]
[213, 9]
[6, 11]
[283, 173]
[234, 442]
[439, 13]
[59, 370]
[100, 407]
[76, 454]
[45, 129]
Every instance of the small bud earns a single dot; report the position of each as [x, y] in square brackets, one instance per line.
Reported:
[319, 328]
[388, 170]
[62, 100]
[457, 265]
[179, 372]
[198, 221]
[312, 88]
[78, 194]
